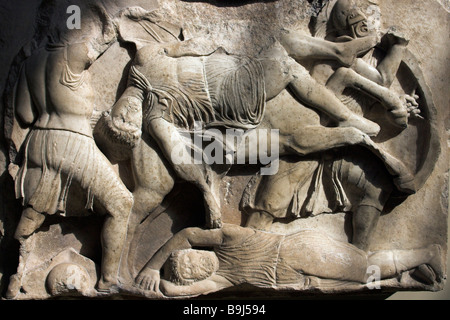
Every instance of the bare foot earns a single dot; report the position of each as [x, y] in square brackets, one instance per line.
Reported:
[350, 50]
[432, 271]
[436, 262]
[107, 287]
[400, 117]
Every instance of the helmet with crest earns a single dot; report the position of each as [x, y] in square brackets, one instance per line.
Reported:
[348, 19]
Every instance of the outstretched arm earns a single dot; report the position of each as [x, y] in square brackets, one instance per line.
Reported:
[301, 46]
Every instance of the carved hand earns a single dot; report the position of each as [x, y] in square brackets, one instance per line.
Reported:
[409, 109]
[412, 106]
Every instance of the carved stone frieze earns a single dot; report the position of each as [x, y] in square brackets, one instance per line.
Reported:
[174, 149]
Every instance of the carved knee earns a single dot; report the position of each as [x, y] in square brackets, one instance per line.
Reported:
[339, 80]
[121, 207]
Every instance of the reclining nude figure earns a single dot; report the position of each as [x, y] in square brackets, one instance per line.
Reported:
[268, 260]
[174, 84]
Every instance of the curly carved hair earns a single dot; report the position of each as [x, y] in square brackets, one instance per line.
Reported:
[181, 270]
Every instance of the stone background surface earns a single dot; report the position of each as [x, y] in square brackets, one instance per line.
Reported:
[242, 25]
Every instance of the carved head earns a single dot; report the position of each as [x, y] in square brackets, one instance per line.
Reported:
[118, 131]
[127, 113]
[349, 20]
[126, 119]
[185, 267]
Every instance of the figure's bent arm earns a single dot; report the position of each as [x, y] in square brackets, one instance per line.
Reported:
[385, 72]
[389, 66]
[367, 71]
[185, 239]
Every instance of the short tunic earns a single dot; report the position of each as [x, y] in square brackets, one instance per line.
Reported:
[63, 157]
[217, 90]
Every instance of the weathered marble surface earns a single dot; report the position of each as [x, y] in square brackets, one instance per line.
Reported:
[64, 256]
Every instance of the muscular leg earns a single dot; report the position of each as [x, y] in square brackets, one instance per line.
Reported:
[113, 195]
[29, 222]
[308, 91]
[31, 219]
[113, 237]
[364, 221]
[299, 46]
[314, 253]
[307, 250]
[371, 186]
[389, 66]
[283, 72]
[312, 139]
[394, 262]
